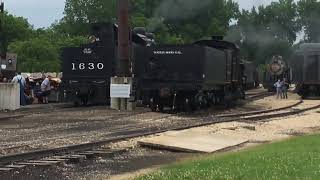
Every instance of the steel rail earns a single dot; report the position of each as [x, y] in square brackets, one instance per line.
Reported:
[68, 108]
[259, 112]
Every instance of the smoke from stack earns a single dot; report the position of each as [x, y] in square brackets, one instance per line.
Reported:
[170, 10]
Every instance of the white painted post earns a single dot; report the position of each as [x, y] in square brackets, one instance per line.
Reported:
[9, 96]
[121, 100]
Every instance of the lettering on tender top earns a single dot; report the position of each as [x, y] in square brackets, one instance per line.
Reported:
[87, 51]
[168, 52]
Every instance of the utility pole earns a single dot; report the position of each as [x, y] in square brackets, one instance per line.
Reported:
[123, 39]
[2, 7]
[122, 97]
[2, 54]
[1, 27]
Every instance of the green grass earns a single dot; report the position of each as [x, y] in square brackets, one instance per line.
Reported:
[297, 158]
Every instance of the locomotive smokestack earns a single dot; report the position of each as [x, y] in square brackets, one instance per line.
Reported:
[123, 38]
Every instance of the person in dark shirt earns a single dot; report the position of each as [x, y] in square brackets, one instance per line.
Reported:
[285, 87]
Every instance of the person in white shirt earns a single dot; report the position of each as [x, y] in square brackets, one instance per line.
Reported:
[22, 82]
[278, 85]
[46, 89]
[18, 78]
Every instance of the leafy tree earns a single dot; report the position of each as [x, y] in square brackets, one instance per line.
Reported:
[79, 14]
[36, 55]
[309, 15]
[173, 21]
[42, 51]
[192, 20]
[13, 29]
[277, 21]
[266, 31]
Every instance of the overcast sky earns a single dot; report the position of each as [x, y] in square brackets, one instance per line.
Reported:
[42, 13]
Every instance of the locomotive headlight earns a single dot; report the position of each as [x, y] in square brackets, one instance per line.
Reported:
[10, 61]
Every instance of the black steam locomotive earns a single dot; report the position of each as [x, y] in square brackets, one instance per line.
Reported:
[175, 76]
[306, 70]
[276, 69]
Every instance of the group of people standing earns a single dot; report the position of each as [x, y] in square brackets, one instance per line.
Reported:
[282, 88]
[26, 98]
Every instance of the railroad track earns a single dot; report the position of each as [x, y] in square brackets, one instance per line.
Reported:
[254, 96]
[259, 112]
[52, 109]
[118, 124]
[21, 140]
[69, 108]
[88, 150]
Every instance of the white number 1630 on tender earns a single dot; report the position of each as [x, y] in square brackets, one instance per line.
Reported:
[84, 66]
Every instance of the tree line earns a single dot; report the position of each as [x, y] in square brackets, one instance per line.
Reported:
[260, 32]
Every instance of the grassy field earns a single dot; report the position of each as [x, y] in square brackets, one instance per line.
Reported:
[298, 158]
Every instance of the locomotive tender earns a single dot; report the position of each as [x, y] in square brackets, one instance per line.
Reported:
[185, 77]
[306, 70]
[87, 69]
